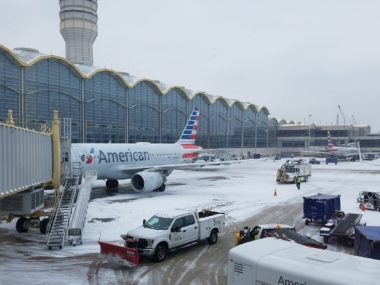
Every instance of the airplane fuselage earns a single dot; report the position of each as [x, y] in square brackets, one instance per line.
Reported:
[122, 161]
[344, 152]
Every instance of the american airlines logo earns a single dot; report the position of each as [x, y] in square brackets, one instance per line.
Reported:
[88, 159]
[283, 281]
[110, 157]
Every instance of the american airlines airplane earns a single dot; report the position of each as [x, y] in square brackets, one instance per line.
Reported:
[342, 152]
[146, 164]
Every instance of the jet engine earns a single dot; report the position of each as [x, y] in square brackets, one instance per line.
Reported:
[147, 181]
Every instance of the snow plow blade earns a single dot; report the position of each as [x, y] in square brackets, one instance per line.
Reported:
[119, 254]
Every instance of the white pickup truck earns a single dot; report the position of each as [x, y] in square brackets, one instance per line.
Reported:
[163, 233]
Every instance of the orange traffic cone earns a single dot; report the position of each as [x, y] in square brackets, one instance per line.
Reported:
[275, 192]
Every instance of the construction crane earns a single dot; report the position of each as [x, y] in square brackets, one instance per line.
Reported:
[342, 115]
[354, 120]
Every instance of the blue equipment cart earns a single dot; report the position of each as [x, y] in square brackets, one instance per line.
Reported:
[320, 208]
[367, 241]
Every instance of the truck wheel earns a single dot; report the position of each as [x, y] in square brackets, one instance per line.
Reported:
[213, 238]
[43, 226]
[160, 252]
[306, 222]
[20, 225]
[326, 239]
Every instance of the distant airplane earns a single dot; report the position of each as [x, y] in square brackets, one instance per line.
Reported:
[343, 152]
[147, 165]
[340, 152]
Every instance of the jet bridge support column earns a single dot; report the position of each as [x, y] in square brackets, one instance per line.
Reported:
[56, 154]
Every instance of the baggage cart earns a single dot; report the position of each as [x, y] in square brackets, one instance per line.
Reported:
[320, 208]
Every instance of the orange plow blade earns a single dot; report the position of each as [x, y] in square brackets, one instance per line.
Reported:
[119, 254]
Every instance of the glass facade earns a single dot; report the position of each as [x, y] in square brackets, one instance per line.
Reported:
[10, 86]
[103, 107]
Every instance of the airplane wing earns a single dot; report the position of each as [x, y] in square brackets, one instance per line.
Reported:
[313, 152]
[170, 167]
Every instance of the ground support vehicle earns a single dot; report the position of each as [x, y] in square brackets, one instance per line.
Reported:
[320, 208]
[367, 241]
[291, 169]
[342, 230]
[164, 233]
[276, 262]
[279, 231]
[331, 159]
[314, 161]
[369, 200]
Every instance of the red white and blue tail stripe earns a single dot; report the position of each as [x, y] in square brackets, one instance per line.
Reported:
[330, 145]
[189, 134]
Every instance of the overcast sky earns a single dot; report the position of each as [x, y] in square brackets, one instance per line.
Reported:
[295, 57]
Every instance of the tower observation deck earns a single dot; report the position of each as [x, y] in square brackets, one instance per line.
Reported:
[79, 29]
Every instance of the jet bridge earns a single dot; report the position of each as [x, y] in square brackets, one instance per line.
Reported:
[28, 161]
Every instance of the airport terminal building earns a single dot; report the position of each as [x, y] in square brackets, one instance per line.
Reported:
[109, 106]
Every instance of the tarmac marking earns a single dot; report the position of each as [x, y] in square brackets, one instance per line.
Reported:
[190, 267]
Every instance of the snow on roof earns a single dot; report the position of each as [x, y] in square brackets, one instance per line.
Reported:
[26, 55]
[86, 69]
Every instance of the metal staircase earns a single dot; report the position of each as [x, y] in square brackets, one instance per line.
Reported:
[60, 216]
[79, 216]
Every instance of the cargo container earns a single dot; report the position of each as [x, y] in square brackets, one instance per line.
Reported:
[367, 241]
[320, 208]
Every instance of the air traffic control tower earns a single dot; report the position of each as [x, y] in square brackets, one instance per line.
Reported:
[79, 29]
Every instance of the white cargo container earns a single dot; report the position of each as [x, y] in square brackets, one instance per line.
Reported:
[276, 262]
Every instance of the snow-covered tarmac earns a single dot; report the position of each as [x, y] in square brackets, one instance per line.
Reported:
[240, 190]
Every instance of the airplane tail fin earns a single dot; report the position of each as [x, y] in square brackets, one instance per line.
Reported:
[189, 134]
[330, 145]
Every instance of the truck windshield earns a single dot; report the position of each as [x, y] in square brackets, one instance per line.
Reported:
[158, 223]
[291, 169]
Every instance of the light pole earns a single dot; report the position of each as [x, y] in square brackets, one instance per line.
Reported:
[310, 115]
[255, 133]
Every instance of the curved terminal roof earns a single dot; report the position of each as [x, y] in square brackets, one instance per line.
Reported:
[28, 56]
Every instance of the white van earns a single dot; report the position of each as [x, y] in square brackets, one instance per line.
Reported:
[271, 261]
